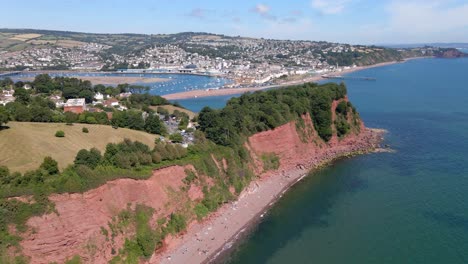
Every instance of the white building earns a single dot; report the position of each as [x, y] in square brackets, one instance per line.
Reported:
[77, 105]
[125, 95]
[99, 96]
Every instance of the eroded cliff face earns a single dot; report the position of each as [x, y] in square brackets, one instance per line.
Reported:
[297, 146]
[76, 227]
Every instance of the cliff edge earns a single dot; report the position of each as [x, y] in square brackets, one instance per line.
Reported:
[160, 219]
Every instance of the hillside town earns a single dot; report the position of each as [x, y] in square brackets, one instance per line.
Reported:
[247, 61]
[81, 56]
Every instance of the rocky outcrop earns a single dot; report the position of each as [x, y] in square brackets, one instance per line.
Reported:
[294, 152]
[294, 149]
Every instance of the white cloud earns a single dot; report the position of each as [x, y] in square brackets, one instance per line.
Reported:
[411, 21]
[395, 21]
[197, 13]
[415, 21]
[329, 7]
[262, 9]
[427, 17]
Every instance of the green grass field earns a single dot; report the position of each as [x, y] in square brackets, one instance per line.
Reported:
[24, 145]
[172, 108]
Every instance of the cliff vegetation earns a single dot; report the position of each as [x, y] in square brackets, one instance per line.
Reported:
[219, 164]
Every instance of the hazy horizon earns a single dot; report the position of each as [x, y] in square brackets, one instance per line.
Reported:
[395, 44]
[343, 21]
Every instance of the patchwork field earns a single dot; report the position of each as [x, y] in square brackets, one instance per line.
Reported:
[25, 37]
[65, 43]
[18, 42]
[24, 145]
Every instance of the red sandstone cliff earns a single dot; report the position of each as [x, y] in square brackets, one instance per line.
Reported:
[75, 227]
[286, 142]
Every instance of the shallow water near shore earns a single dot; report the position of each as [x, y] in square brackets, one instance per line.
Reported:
[404, 207]
[171, 83]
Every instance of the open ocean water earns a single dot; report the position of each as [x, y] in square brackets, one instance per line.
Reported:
[410, 206]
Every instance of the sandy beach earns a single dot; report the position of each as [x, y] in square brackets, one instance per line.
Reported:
[213, 238]
[231, 91]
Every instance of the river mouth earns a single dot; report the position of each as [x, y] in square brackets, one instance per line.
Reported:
[159, 83]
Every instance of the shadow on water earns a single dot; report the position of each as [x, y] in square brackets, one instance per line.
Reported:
[448, 219]
[313, 198]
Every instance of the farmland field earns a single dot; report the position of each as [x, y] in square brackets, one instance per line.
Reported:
[24, 145]
[25, 37]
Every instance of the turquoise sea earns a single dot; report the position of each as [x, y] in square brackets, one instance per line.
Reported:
[410, 206]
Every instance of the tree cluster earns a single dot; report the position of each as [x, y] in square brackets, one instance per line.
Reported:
[32, 109]
[49, 167]
[138, 120]
[261, 111]
[138, 100]
[130, 154]
[74, 87]
[4, 116]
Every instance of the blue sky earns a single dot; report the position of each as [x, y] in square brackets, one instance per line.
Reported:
[350, 21]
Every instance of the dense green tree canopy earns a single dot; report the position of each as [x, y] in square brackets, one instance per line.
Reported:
[260, 111]
[176, 137]
[89, 158]
[154, 125]
[4, 116]
[50, 166]
[22, 96]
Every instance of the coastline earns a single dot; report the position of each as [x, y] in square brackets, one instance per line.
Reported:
[214, 238]
[114, 80]
[120, 73]
[232, 91]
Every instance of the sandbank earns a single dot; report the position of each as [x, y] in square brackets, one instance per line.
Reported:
[232, 91]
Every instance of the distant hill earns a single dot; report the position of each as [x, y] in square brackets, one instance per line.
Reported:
[123, 43]
[418, 45]
[62, 50]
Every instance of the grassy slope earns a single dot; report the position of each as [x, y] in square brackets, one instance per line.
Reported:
[24, 145]
[172, 108]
